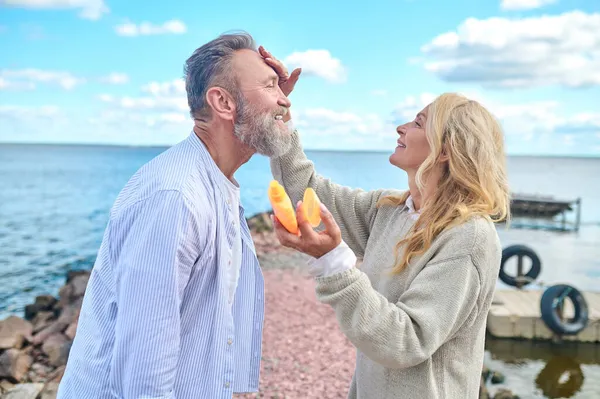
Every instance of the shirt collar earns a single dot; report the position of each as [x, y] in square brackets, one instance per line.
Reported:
[411, 208]
[209, 162]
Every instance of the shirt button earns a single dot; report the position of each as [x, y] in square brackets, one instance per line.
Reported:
[229, 341]
[227, 384]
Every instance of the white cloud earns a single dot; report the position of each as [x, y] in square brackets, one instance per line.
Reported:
[172, 88]
[115, 78]
[51, 124]
[17, 112]
[528, 52]
[318, 63]
[523, 119]
[147, 103]
[27, 78]
[585, 123]
[525, 4]
[15, 86]
[88, 9]
[159, 116]
[31, 124]
[323, 128]
[173, 26]
[529, 127]
[120, 118]
[159, 96]
[407, 109]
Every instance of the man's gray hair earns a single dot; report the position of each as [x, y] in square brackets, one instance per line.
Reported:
[210, 65]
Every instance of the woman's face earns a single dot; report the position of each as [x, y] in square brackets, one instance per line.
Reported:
[413, 147]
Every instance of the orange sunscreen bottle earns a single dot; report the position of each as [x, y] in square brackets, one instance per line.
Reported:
[312, 207]
[282, 207]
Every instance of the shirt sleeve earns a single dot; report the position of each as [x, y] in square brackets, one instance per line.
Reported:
[152, 268]
[338, 260]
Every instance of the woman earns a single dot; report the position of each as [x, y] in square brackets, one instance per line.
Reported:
[416, 307]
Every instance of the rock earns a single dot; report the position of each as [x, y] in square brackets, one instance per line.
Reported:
[57, 327]
[72, 292]
[57, 347]
[42, 303]
[42, 320]
[505, 394]
[30, 311]
[497, 377]
[24, 391]
[39, 372]
[71, 330]
[56, 375]
[71, 274]
[65, 293]
[79, 284]
[485, 373]
[14, 331]
[45, 302]
[14, 365]
[260, 222]
[50, 391]
[5, 385]
[69, 314]
[483, 391]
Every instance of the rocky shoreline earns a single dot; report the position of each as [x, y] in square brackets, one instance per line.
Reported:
[34, 349]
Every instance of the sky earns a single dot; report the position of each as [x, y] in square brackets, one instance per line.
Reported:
[110, 72]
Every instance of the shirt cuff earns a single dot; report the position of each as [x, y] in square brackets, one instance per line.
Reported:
[338, 260]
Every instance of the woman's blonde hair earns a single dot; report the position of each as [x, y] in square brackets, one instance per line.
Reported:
[474, 180]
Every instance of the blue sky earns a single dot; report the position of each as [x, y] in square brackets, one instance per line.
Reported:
[109, 72]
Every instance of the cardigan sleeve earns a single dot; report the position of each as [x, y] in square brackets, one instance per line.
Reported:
[354, 210]
[402, 334]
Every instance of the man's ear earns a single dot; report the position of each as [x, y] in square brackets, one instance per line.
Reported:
[221, 102]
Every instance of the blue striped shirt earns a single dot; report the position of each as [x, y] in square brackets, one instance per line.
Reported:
[155, 320]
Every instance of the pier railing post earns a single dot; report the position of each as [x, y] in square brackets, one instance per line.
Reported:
[578, 217]
[520, 276]
[560, 309]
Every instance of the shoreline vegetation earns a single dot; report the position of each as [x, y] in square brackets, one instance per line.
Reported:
[305, 355]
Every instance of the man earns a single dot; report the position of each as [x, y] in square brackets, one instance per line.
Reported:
[174, 305]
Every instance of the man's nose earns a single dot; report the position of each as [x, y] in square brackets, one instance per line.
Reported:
[284, 101]
[400, 129]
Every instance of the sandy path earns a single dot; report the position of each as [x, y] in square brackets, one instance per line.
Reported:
[304, 353]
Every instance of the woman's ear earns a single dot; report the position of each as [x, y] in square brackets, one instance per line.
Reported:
[444, 157]
[221, 103]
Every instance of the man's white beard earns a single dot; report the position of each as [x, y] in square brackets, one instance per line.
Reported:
[260, 130]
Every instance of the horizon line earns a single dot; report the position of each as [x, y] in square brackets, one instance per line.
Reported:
[165, 146]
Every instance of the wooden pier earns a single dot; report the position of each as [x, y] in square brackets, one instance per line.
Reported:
[542, 212]
[516, 314]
